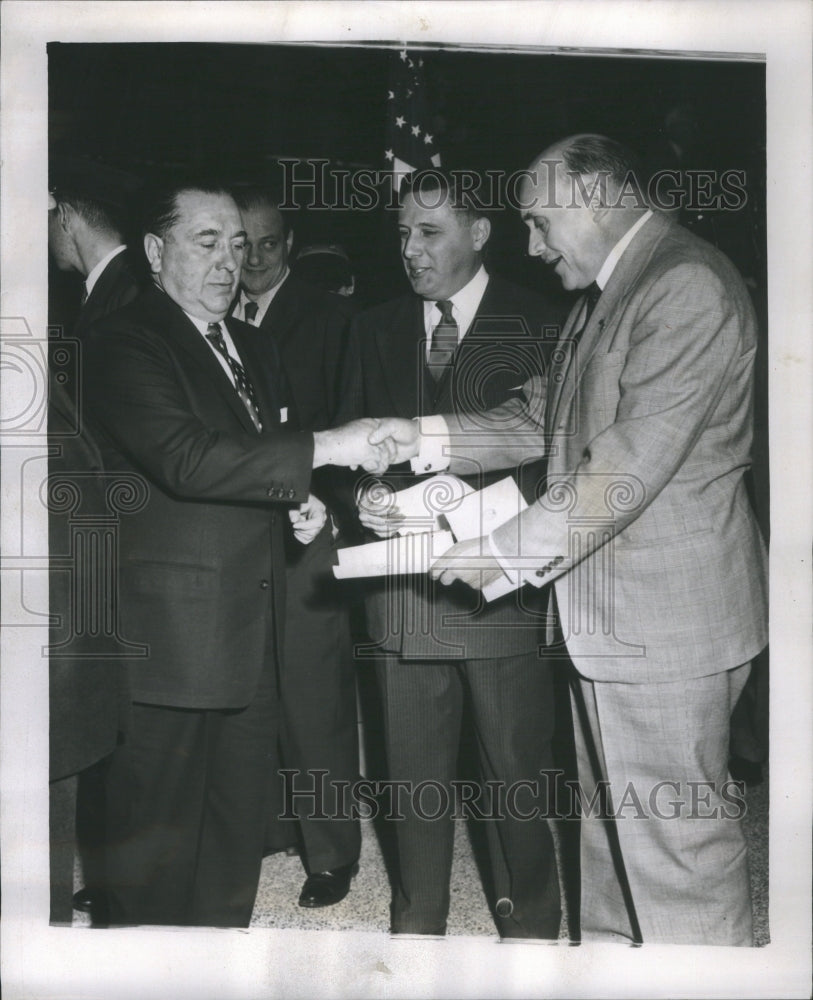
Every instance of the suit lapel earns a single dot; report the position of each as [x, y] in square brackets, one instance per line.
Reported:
[176, 326]
[400, 346]
[570, 369]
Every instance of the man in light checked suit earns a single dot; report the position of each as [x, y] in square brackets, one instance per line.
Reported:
[658, 566]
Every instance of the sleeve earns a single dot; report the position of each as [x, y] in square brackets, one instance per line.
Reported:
[686, 342]
[144, 403]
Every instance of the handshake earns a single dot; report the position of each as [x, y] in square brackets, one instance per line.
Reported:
[373, 444]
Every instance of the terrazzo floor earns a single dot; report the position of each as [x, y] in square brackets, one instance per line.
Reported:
[366, 907]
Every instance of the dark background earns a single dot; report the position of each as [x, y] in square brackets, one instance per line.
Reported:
[155, 108]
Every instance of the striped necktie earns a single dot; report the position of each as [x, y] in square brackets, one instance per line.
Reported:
[242, 383]
[444, 341]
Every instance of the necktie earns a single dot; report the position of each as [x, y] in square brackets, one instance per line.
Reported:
[84, 297]
[250, 311]
[245, 390]
[591, 296]
[444, 341]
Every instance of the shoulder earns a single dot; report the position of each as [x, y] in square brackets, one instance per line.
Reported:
[372, 318]
[532, 305]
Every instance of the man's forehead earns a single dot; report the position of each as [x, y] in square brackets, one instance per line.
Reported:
[432, 206]
[264, 217]
[209, 209]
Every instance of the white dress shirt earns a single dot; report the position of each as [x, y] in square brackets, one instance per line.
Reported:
[263, 302]
[465, 304]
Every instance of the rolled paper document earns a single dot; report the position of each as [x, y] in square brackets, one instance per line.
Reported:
[393, 556]
[481, 512]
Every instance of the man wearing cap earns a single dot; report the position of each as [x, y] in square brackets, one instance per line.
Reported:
[88, 206]
[305, 327]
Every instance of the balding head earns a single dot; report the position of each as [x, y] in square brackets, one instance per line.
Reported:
[578, 199]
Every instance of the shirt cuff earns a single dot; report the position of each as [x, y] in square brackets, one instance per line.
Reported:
[512, 567]
[434, 450]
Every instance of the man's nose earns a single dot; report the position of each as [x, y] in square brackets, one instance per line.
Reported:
[252, 254]
[536, 244]
[231, 259]
[411, 246]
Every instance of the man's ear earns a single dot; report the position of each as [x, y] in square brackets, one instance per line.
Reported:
[480, 232]
[64, 213]
[154, 249]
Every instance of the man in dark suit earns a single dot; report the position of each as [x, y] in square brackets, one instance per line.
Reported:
[462, 335]
[86, 688]
[305, 328]
[183, 399]
[89, 203]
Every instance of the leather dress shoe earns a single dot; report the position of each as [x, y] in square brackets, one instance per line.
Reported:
[94, 902]
[327, 888]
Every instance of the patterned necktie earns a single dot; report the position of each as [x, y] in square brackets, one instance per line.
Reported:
[591, 296]
[444, 341]
[84, 297]
[245, 390]
[250, 310]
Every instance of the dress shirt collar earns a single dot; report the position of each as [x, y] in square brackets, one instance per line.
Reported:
[263, 301]
[614, 255]
[465, 304]
[202, 325]
[96, 273]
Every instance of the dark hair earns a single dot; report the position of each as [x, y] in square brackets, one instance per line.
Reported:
[432, 187]
[99, 215]
[257, 196]
[161, 210]
[589, 154]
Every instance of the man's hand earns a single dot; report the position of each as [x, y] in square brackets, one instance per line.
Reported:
[308, 519]
[351, 445]
[377, 511]
[401, 436]
[470, 562]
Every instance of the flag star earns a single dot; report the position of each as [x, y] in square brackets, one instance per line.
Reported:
[390, 95]
[400, 121]
[409, 94]
[403, 55]
[411, 64]
[416, 130]
[389, 154]
[427, 139]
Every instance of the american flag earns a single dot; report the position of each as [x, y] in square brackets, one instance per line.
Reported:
[410, 143]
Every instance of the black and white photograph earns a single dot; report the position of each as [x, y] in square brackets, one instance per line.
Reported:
[406, 499]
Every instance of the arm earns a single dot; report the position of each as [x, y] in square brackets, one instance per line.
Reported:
[687, 349]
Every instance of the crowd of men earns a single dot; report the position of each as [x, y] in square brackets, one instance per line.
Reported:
[240, 394]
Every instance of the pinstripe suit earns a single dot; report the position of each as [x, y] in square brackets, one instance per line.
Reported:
[658, 567]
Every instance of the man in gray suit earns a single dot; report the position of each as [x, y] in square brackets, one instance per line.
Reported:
[646, 532]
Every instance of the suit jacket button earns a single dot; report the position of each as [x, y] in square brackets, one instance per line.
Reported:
[264, 584]
[504, 907]
[291, 494]
[270, 492]
[558, 560]
[541, 572]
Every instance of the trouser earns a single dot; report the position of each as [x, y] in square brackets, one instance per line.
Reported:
[187, 801]
[62, 835]
[667, 863]
[319, 731]
[512, 712]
